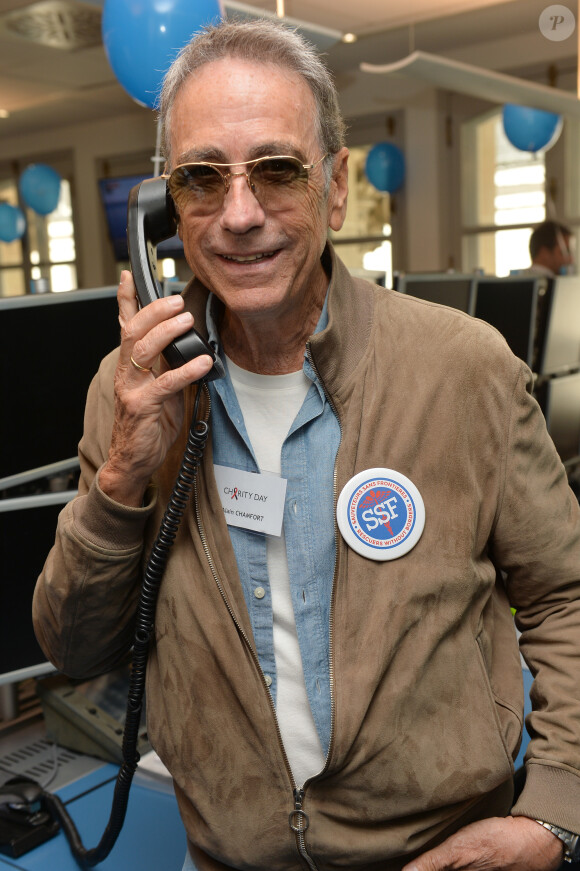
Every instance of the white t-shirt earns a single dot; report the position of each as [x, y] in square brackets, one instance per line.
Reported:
[269, 405]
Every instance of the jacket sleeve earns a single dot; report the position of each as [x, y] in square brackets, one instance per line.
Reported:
[537, 543]
[85, 599]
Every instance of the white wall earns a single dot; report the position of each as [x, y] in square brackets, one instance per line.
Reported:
[424, 218]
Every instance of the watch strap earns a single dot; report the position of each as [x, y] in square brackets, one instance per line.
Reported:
[570, 840]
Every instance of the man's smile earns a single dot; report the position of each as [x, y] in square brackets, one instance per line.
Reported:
[248, 258]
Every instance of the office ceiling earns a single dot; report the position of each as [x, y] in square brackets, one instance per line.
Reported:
[54, 70]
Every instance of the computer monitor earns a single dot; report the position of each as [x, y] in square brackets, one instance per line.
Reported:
[114, 194]
[514, 306]
[50, 348]
[559, 399]
[27, 528]
[446, 288]
[561, 341]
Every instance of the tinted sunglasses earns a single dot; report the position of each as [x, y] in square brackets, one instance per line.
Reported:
[200, 188]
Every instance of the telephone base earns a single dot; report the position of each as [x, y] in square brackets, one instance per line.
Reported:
[18, 838]
[75, 721]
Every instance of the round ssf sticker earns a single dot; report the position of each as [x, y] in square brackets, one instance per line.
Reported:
[380, 514]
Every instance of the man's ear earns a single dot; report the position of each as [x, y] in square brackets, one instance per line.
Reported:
[338, 193]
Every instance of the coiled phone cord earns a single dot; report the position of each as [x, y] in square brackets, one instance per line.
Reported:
[152, 578]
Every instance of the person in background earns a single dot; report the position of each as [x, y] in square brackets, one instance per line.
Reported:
[550, 249]
[334, 680]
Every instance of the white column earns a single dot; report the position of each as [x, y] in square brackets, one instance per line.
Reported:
[423, 205]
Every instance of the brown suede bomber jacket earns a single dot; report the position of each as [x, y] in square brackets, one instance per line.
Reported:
[427, 695]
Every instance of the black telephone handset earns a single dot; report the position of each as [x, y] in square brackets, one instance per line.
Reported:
[151, 218]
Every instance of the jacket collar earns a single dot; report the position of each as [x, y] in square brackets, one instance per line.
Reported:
[338, 349]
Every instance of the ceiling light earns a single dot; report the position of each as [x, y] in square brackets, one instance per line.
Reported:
[349, 37]
[4, 113]
[64, 24]
[322, 37]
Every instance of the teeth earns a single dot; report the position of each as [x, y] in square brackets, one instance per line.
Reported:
[250, 259]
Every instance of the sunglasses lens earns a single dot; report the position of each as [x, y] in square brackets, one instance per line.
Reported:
[278, 171]
[200, 188]
[197, 186]
[277, 180]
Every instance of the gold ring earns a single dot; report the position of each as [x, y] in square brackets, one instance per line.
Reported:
[137, 366]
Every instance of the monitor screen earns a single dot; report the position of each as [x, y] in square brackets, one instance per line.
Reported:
[559, 399]
[114, 197]
[512, 305]
[27, 528]
[50, 348]
[454, 290]
[561, 345]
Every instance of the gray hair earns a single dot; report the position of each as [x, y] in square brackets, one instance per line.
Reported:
[258, 41]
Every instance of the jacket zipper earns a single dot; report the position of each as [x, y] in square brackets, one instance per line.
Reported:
[298, 818]
[334, 574]
[299, 823]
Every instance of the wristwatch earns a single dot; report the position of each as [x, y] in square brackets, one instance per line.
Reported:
[569, 839]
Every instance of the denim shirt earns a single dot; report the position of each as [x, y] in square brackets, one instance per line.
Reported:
[308, 457]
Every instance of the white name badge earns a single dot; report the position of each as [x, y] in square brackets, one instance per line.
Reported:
[380, 514]
[250, 500]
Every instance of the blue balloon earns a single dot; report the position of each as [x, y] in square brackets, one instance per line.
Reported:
[143, 37]
[12, 222]
[39, 187]
[531, 129]
[385, 167]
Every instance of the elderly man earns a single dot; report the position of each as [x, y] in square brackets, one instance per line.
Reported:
[335, 678]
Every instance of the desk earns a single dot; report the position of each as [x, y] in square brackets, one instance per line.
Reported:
[152, 838]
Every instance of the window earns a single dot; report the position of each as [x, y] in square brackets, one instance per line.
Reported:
[572, 187]
[45, 257]
[52, 245]
[11, 271]
[503, 195]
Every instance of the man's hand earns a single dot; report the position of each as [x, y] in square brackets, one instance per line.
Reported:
[511, 843]
[148, 397]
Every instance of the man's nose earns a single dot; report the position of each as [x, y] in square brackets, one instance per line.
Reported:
[241, 211]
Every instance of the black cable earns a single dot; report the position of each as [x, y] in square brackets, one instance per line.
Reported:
[152, 578]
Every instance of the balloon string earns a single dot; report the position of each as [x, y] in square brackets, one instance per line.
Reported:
[158, 159]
